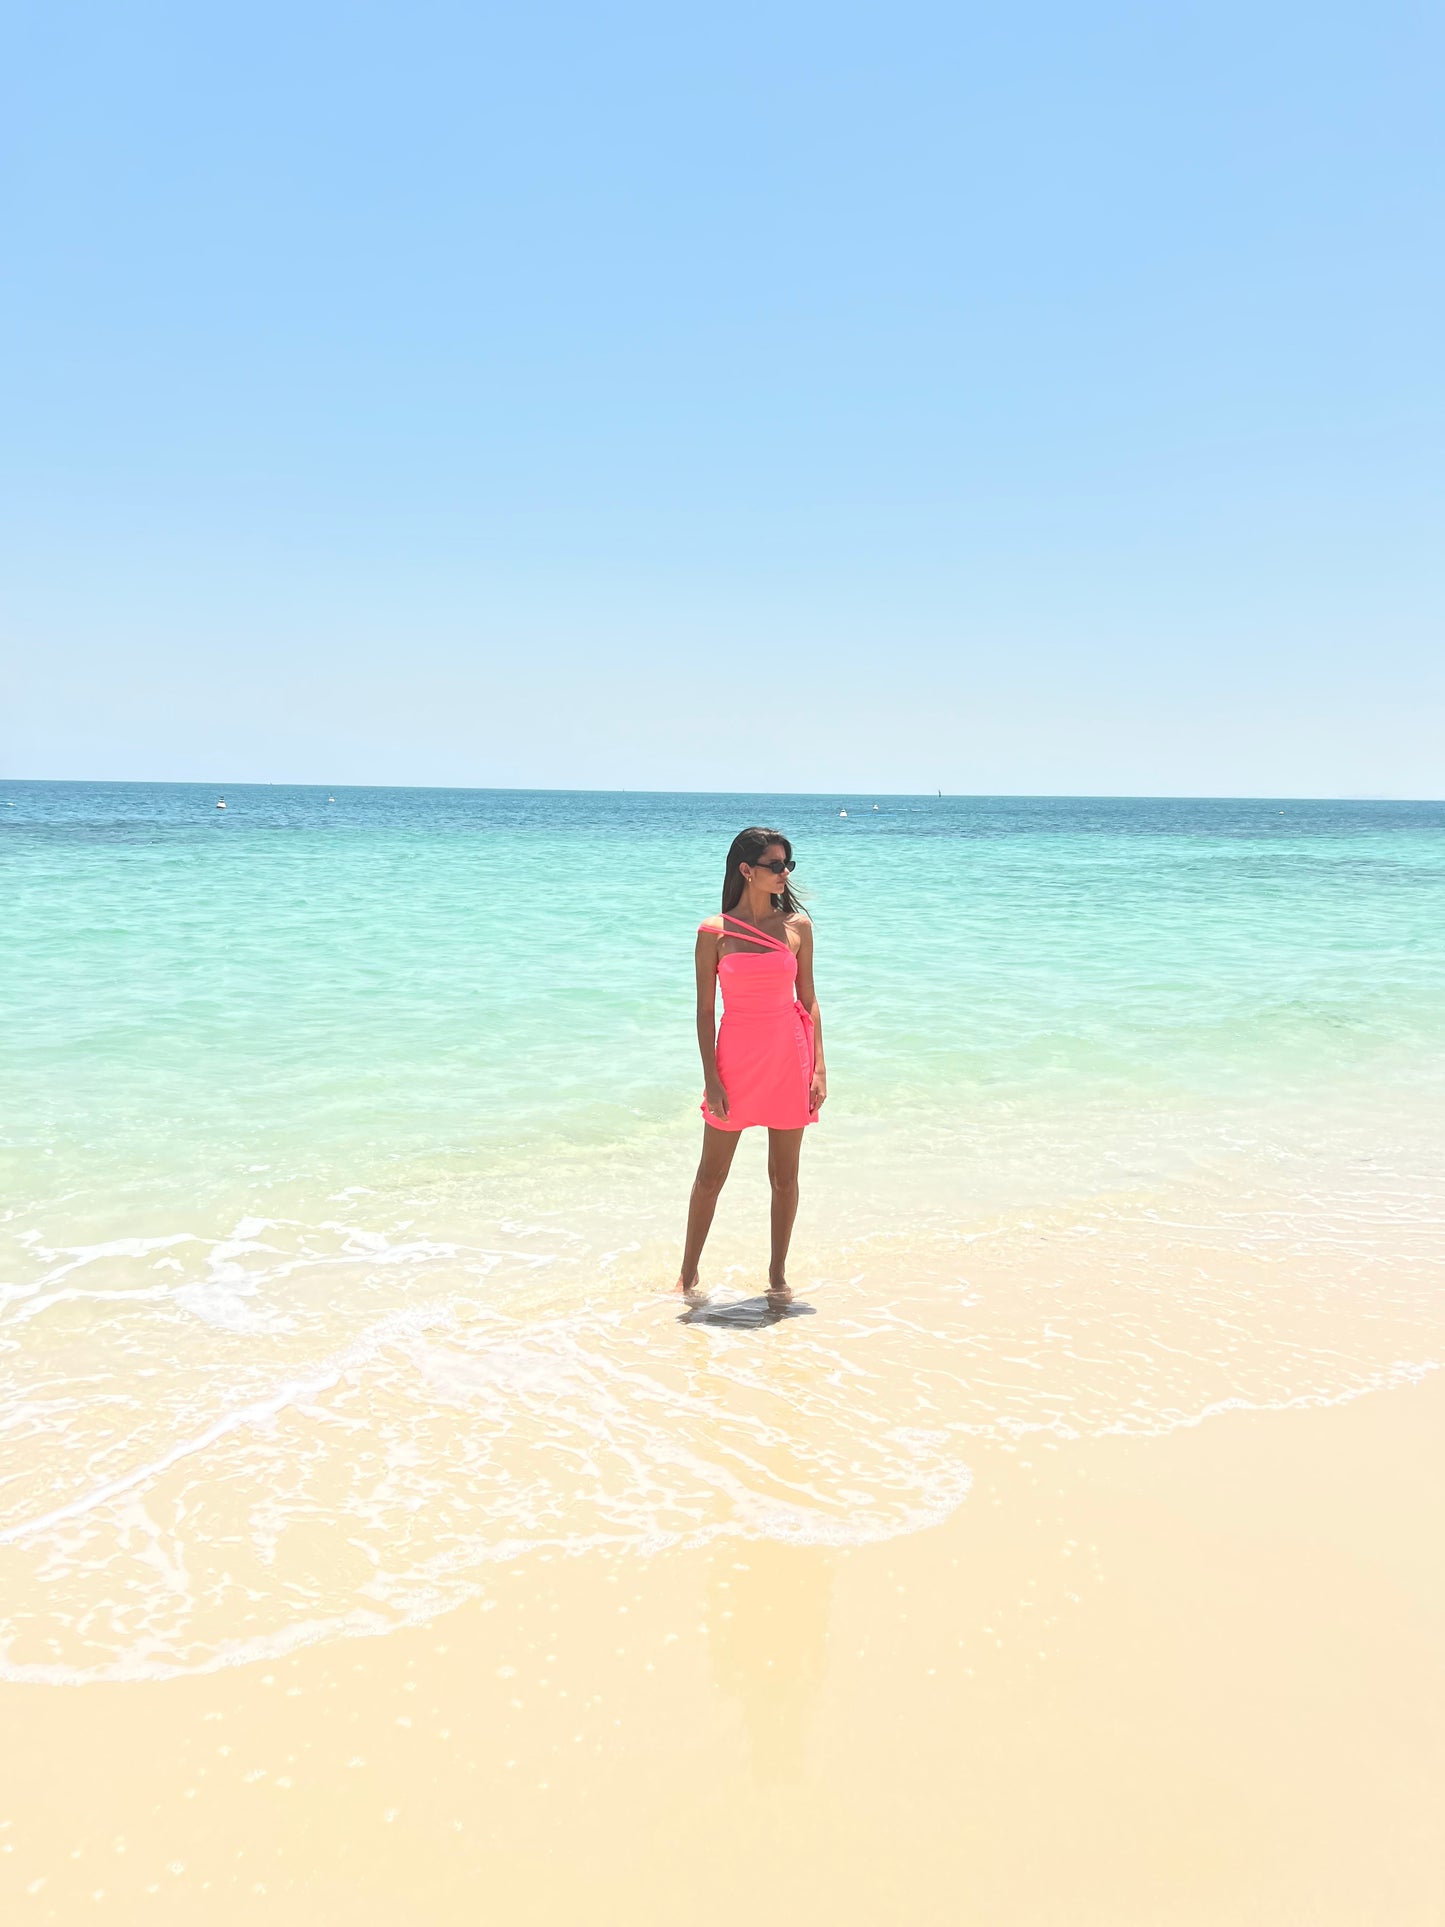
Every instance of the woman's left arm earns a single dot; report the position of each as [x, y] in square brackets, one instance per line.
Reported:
[808, 998]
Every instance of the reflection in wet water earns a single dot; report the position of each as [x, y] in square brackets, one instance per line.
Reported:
[768, 1626]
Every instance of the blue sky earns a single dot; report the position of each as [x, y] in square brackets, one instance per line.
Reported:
[1041, 399]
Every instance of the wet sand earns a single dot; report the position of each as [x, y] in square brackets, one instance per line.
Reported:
[1194, 1679]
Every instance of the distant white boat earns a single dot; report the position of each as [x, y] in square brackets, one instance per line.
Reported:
[875, 806]
[220, 803]
[331, 799]
[842, 812]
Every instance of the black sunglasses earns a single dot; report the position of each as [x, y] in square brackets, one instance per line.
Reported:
[779, 866]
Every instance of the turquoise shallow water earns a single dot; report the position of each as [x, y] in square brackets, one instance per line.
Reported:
[345, 1146]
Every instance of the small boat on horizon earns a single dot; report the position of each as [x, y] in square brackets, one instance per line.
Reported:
[220, 802]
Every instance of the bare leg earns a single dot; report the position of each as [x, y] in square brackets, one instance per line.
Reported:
[712, 1171]
[784, 1150]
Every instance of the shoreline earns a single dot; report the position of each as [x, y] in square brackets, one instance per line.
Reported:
[1190, 1678]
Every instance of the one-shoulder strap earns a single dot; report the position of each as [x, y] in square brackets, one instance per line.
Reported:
[749, 933]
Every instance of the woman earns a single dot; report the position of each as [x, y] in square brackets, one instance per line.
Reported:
[765, 1064]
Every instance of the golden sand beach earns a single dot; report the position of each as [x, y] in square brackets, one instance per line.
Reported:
[1193, 1679]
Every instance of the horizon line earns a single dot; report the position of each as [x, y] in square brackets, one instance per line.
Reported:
[539, 789]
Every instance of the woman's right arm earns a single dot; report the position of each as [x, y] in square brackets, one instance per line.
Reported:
[706, 958]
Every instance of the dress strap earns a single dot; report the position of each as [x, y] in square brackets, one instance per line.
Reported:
[749, 933]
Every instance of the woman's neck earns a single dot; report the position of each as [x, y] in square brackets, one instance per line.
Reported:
[754, 906]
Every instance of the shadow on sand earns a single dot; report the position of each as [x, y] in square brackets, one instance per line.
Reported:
[747, 1314]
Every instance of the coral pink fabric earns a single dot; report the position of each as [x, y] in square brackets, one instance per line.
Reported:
[765, 1040]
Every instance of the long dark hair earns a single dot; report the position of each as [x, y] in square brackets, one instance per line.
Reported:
[747, 847]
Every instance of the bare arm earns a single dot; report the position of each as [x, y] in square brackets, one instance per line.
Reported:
[808, 998]
[706, 961]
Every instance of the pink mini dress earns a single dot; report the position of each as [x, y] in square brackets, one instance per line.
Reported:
[765, 1039]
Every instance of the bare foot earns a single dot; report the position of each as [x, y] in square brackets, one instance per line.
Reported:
[779, 1294]
[692, 1294]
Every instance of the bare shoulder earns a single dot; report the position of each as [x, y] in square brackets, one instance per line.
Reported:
[711, 926]
[800, 925]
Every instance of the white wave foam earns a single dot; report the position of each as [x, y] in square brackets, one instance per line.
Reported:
[320, 1379]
